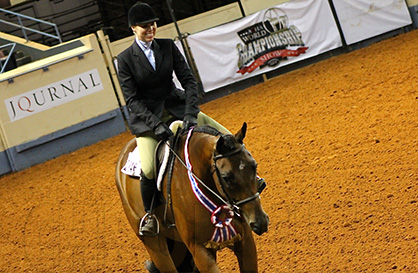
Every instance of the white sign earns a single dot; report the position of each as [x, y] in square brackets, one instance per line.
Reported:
[53, 95]
[363, 19]
[264, 41]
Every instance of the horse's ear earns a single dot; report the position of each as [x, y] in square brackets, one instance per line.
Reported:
[240, 135]
[225, 144]
[220, 144]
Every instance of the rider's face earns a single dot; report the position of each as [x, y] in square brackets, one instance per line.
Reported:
[145, 32]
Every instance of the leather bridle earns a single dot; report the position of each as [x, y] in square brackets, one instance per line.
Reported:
[234, 205]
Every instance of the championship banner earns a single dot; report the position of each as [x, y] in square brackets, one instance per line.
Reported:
[363, 19]
[264, 41]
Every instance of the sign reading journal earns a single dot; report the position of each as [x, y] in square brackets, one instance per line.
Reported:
[53, 95]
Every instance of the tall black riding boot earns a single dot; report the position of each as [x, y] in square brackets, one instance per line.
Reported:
[148, 225]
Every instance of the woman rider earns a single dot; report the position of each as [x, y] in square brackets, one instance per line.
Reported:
[146, 76]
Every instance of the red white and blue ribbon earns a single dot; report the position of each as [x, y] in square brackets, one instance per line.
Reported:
[221, 216]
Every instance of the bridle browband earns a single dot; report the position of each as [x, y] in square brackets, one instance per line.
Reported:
[219, 156]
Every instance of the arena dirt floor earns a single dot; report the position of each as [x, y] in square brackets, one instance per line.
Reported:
[336, 141]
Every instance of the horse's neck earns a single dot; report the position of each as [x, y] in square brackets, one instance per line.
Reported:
[201, 149]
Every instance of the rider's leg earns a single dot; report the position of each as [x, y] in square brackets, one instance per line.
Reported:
[149, 225]
[146, 146]
[203, 119]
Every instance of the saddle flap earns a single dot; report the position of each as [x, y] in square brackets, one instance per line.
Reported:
[162, 153]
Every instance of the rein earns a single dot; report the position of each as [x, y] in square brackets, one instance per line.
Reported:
[221, 216]
[196, 177]
[229, 202]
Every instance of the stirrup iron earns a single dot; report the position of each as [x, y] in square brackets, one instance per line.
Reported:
[143, 222]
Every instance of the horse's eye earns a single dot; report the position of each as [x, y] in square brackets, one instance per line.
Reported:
[228, 179]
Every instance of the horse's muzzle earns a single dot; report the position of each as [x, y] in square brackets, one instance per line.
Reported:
[261, 224]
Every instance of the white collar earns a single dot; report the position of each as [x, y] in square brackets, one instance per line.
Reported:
[143, 45]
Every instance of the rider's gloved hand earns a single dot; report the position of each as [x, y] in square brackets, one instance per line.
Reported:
[189, 122]
[162, 132]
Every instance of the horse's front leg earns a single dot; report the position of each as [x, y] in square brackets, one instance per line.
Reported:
[204, 258]
[246, 253]
[160, 255]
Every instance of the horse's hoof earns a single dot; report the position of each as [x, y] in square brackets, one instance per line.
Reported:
[150, 266]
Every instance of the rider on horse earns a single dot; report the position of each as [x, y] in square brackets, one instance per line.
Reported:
[145, 72]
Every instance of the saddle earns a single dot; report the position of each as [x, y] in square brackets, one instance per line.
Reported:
[132, 166]
[162, 155]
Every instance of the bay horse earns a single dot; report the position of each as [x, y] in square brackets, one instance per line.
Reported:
[207, 165]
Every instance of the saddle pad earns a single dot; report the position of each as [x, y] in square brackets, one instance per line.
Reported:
[133, 164]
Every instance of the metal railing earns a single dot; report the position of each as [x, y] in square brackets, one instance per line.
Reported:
[5, 59]
[25, 29]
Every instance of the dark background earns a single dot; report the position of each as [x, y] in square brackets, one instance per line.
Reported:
[76, 18]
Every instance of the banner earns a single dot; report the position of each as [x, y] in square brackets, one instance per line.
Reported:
[363, 19]
[264, 41]
[54, 94]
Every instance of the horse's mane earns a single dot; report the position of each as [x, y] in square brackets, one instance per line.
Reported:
[207, 130]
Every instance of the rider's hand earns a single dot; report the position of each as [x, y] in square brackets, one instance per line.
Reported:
[188, 122]
[162, 132]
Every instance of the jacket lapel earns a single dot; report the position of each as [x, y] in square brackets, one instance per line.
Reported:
[158, 54]
[141, 58]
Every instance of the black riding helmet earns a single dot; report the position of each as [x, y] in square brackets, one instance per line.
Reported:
[141, 13]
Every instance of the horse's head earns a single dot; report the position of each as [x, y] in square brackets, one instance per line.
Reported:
[236, 173]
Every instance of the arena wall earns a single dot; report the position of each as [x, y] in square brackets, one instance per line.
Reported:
[413, 10]
[70, 97]
[56, 105]
[252, 6]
